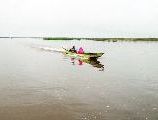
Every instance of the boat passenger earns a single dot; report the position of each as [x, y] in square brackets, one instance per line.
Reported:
[80, 51]
[73, 49]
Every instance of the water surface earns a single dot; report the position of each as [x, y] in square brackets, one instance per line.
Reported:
[41, 84]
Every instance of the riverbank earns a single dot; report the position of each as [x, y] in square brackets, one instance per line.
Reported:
[102, 39]
[95, 39]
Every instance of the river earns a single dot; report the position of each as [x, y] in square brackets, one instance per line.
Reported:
[39, 83]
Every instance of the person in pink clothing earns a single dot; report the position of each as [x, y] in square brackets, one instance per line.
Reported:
[80, 51]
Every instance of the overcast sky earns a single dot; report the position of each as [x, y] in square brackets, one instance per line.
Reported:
[79, 18]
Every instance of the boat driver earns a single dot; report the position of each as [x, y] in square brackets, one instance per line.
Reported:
[73, 49]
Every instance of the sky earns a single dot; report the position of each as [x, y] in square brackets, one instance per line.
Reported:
[79, 18]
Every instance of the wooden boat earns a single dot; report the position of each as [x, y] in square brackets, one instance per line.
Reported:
[83, 56]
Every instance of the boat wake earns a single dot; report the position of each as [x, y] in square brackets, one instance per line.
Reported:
[50, 49]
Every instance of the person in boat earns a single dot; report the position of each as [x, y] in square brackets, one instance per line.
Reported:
[80, 51]
[73, 49]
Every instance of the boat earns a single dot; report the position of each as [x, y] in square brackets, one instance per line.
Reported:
[88, 56]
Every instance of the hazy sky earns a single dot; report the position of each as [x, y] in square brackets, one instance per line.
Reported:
[86, 18]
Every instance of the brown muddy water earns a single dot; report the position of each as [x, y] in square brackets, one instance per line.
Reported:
[37, 83]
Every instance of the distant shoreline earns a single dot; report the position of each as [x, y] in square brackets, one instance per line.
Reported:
[102, 39]
[95, 39]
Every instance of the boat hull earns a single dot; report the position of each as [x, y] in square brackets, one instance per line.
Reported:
[83, 56]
